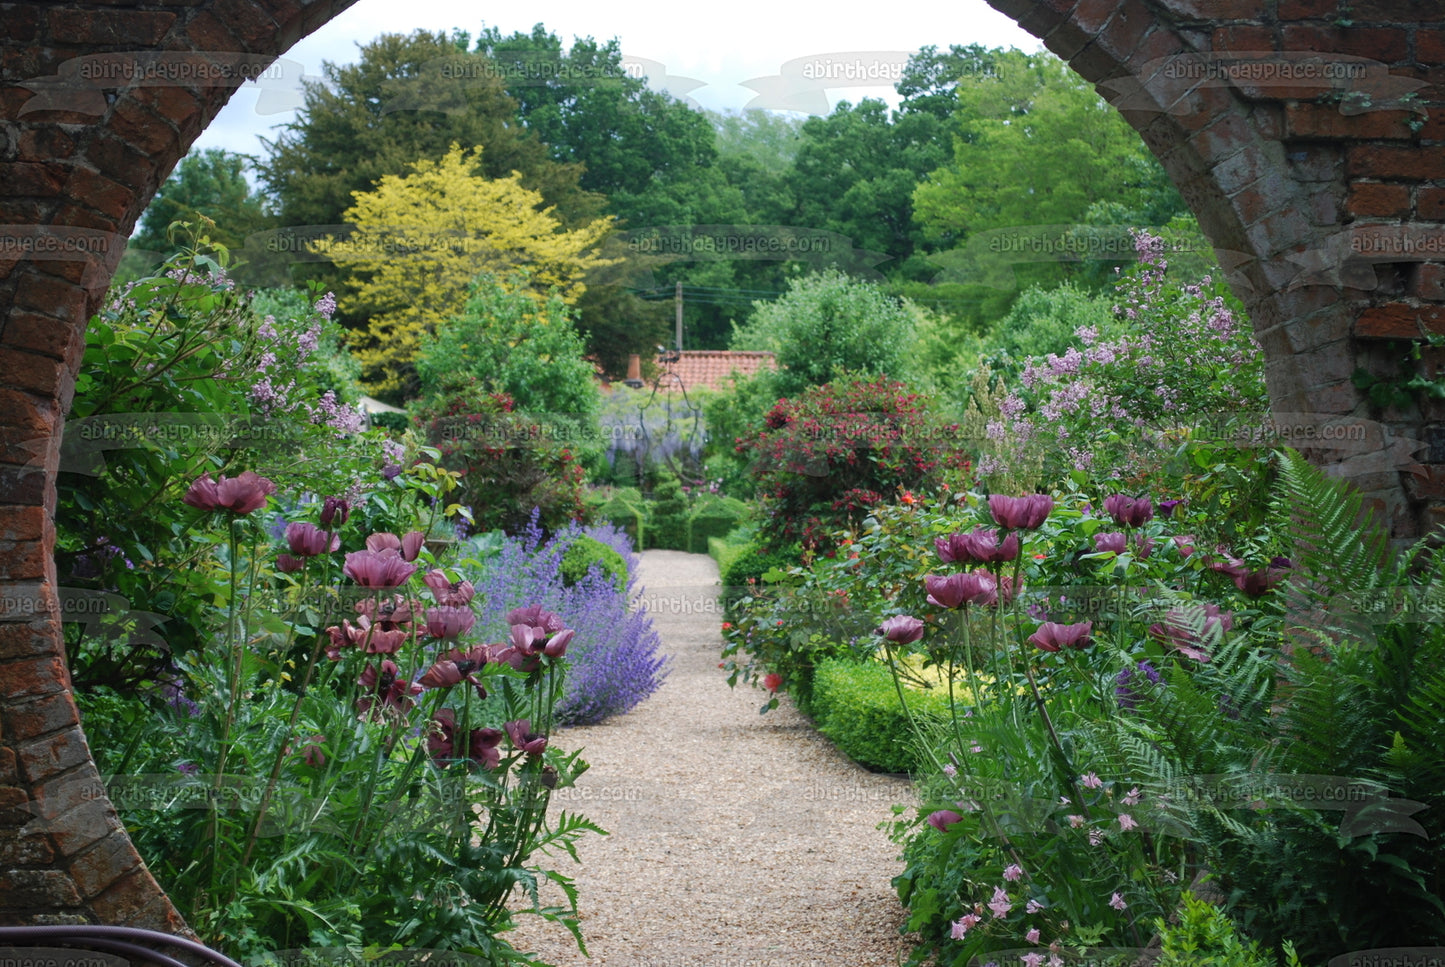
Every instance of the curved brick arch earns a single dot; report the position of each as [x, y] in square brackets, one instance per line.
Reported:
[1269, 174]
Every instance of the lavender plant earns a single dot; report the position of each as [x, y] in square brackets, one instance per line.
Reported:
[615, 663]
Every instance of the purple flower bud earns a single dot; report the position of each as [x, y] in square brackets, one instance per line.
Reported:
[901, 629]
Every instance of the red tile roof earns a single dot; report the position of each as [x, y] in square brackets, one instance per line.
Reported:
[709, 369]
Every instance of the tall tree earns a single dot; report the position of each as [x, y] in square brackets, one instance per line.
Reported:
[421, 239]
[409, 97]
[209, 182]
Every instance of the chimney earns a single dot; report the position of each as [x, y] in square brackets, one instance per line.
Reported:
[634, 371]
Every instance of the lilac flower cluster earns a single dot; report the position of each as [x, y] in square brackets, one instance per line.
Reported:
[1186, 358]
[271, 397]
[614, 661]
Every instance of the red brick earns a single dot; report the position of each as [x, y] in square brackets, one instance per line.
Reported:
[125, 897]
[30, 372]
[23, 523]
[143, 27]
[116, 159]
[1130, 27]
[28, 179]
[102, 864]
[22, 485]
[1378, 201]
[1395, 11]
[1325, 121]
[46, 889]
[50, 295]
[18, 640]
[1429, 282]
[22, 560]
[1224, 137]
[1430, 204]
[206, 32]
[7, 765]
[183, 107]
[22, 22]
[40, 334]
[1308, 9]
[17, 850]
[35, 676]
[1214, 9]
[1430, 46]
[1387, 45]
[1382, 161]
[248, 20]
[1394, 321]
[46, 142]
[40, 716]
[99, 192]
[1243, 39]
[142, 128]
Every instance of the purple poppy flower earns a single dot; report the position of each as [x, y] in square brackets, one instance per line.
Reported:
[1112, 541]
[537, 617]
[386, 684]
[556, 645]
[957, 590]
[378, 570]
[308, 540]
[943, 818]
[1166, 507]
[525, 740]
[335, 511]
[448, 622]
[1052, 636]
[399, 612]
[448, 593]
[901, 629]
[456, 667]
[1129, 511]
[287, 564]
[239, 495]
[1026, 513]
[481, 744]
[1177, 629]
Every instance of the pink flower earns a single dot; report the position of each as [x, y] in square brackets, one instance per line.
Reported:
[308, 540]
[239, 495]
[1117, 902]
[1033, 935]
[1012, 872]
[901, 629]
[1032, 960]
[999, 904]
[1131, 798]
[1076, 821]
[1033, 906]
[448, 594]
[1090, 781]
[943, 818]
[1051, 636]
[1126, 822]
[962, 924]
[1095, 837]
[378, 569]
[1027, 513]
[950, 770]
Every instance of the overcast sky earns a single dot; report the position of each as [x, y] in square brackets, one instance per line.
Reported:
[705, 52]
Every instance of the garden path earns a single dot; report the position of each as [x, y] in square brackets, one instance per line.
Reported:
[735, 838]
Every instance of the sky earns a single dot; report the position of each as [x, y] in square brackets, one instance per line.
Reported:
[706, 52]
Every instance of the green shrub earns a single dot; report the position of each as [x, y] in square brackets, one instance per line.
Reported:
[856, 705]
[748, 567]
[669, 515]
[1206, 937]
[583, 553]
[626, 511]
[713, 516]
[726, 549]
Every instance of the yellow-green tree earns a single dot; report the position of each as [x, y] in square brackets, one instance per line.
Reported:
[420, 239]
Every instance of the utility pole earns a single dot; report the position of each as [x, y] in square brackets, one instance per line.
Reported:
[678, 300]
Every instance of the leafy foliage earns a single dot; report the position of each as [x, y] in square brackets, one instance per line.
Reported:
[420, 240]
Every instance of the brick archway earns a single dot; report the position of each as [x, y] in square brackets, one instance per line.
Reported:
[1279, 181]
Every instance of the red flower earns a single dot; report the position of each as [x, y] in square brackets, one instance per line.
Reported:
[519, 731]
[772, 681]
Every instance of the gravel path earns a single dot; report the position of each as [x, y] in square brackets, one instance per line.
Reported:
[737, 839]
